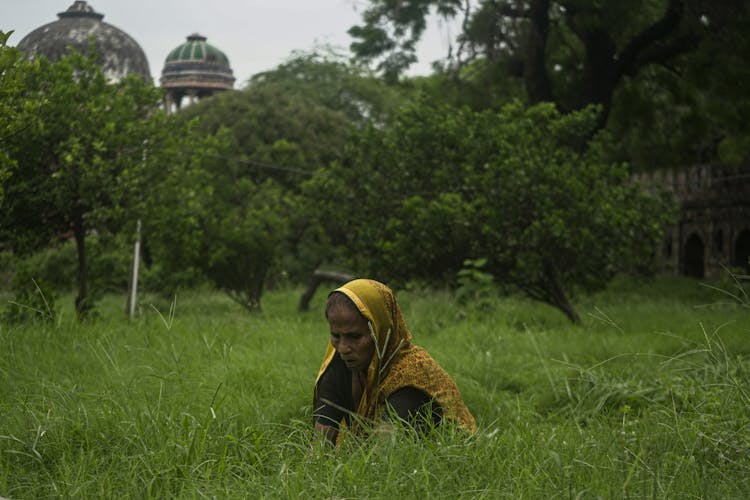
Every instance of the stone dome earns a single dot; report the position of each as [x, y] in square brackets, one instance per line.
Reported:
[197, 66]
[119, 54]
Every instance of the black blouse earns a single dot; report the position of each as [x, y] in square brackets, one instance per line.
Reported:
[335, 401]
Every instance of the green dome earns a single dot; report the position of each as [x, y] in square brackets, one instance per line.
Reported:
[196, 49]
[196, 68]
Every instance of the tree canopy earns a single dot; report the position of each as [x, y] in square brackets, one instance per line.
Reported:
[16, 106]
[73, 160]
[298, 115]
[441, 185]
[577, 53]
[286, 124]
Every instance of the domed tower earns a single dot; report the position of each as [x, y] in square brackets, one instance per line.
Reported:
[195, 70]
[119, 54]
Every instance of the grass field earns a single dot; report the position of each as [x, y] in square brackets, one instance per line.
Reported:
[650, 397]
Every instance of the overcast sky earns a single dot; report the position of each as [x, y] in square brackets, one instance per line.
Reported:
[255, 35]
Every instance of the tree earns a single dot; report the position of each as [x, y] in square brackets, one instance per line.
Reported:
[170, 193]
[298, 116]
[16, 108]
[287, 123]
[574, 53]
[691, 111]
[245, 234]
[205, 219]
[443, 185]
[72, 162]
[334, 83]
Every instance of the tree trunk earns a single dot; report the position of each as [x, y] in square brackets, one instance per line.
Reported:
[564, 305]
[317, 278]
[535, 74]
[604, 66]
[83, 305]
[557, 296]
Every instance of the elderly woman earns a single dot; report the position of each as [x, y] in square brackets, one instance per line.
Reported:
[372, 372]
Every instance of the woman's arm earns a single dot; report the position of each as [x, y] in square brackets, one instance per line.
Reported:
[414, 407]
[327, 432]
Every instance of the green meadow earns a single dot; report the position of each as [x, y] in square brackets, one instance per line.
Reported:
[195, 398]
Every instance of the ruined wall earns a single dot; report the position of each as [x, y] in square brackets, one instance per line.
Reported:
[713, 226]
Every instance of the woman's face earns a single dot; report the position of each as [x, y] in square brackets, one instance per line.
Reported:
[350, 336]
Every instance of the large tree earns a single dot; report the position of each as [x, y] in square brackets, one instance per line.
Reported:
[287, 123]
[205, 219]
[571, 52]
[442, 185]
[73, 161]
[692, 110]
[298, 116]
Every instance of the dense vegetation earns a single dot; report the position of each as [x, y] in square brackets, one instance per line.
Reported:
[666, 75]
[425, 183]
[648, 397]
[513, 154]
[441, 187]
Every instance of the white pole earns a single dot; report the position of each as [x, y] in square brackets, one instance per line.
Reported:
[136, 261]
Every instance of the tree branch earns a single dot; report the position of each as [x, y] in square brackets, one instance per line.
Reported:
[660, 54]
[535, 70]
[630, 61]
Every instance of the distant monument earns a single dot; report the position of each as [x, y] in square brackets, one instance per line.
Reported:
[119, 55]
[712, 230]
[194, 70]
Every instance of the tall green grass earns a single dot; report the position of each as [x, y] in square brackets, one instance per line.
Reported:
[648, 398]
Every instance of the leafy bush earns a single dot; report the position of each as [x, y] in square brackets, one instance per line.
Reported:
[475, 286]
[33, 298]
[441, 185]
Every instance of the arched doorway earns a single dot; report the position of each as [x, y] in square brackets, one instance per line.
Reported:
[742, 250]
[693, 265]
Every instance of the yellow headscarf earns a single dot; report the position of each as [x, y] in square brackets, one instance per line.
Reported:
[397, 363]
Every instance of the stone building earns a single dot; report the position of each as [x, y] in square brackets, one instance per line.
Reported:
[118, 53]
[194, 70]
[713, 227]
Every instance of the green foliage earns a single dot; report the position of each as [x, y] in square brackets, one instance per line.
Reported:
[270, 126]
[7, 262]
[443, 185]
[102, 156]
[16, 106]
[243, 238]
[391, 31]
[690, 112]
[177, 170]
[297, 117]
[671, 72]
[335, 83]
[281, 127]
[209, 219]
[56, 266]
[475, 287]
[72, 161]
[478, 84]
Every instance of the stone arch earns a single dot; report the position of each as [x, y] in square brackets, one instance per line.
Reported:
[694, 257]
[719, 240]
[742, 250]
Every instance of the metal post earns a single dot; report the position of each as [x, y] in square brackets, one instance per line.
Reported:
[134, 278]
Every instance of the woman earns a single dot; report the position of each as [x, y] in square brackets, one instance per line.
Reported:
[371, 370]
